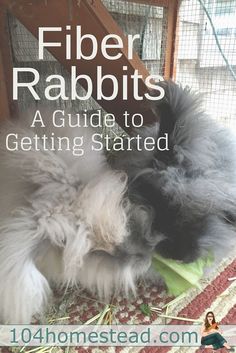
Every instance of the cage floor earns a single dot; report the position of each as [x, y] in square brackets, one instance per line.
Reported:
[217, 294]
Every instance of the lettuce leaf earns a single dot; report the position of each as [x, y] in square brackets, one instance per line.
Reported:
[179, 277]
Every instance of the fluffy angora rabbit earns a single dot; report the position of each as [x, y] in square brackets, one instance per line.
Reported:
[190, 189]
[69, 220]
[56, 211]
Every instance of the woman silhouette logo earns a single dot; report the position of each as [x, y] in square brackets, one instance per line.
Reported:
[211, 335]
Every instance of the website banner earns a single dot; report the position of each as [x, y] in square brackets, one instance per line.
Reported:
[107, 335]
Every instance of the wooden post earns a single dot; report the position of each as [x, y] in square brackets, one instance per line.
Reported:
[171, 14]
[8, 108]
[4, 103]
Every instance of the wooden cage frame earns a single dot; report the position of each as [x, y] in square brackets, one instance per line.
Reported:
[94, 15]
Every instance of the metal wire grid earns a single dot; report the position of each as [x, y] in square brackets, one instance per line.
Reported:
[133, 18]
[200, 63]
[149, 22]
[203, 64]
[24, 44]
[25, 54]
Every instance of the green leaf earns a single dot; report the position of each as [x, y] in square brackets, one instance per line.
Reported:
[145, 308]
[179, 276]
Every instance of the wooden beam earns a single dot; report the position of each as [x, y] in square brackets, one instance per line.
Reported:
[93, 18]
[160, 3]
[171, 14]
[175, 48]
[4, 103]
[8, 108]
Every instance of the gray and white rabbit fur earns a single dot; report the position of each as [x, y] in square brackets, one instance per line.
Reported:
[84, 221]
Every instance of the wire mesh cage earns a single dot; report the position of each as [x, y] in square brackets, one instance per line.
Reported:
[150, 23]
[205, 50]
[25, 54]
[206, 54]
[146, 20]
